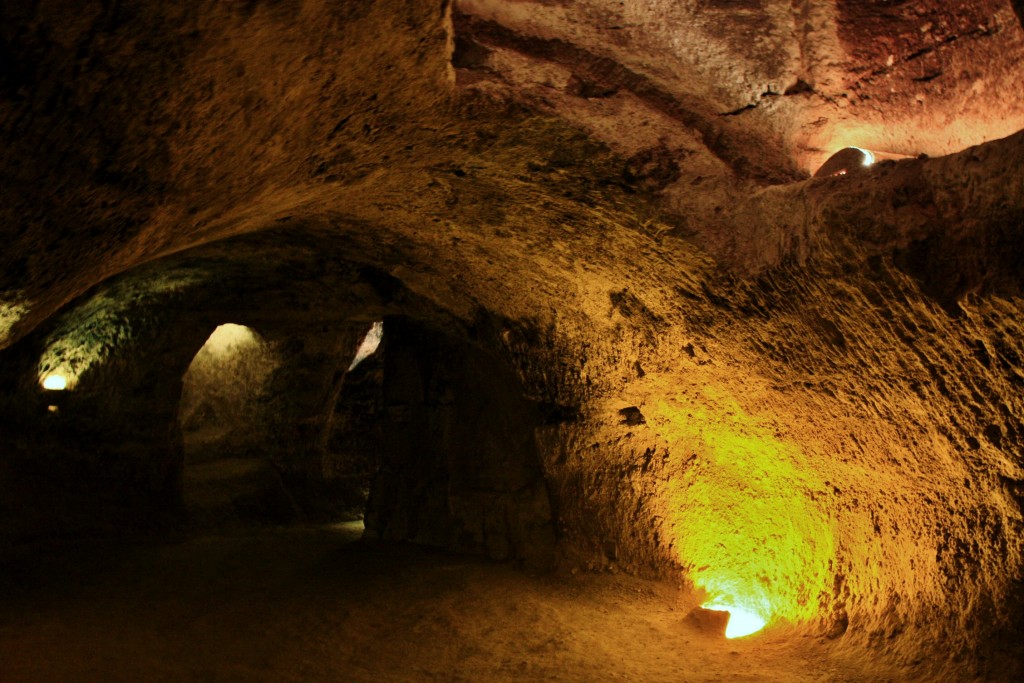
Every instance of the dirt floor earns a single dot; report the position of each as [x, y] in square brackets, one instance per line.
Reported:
[309, 604]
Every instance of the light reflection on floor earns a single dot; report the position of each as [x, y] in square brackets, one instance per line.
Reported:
[349, 531]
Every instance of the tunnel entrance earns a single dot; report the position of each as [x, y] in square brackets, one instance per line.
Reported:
[425, 435]
[228, 473]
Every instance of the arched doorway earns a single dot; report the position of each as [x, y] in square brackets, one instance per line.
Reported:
[228, 475]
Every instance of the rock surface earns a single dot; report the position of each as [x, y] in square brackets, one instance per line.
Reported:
[595, 206]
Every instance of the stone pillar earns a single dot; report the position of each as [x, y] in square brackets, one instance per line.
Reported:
[459, 465]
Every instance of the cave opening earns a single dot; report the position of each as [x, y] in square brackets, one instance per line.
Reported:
[419, 434]
[352, 435]
[227, 469]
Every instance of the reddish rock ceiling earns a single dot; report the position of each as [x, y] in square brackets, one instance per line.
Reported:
[807, 77]
[134, 130]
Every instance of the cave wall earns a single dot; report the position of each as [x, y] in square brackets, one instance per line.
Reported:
[299, 414]
[721, 362]
[832, 430]
[108, 456]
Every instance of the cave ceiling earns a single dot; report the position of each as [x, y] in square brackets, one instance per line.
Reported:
[490, 139]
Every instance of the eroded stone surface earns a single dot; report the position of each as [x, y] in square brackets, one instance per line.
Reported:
[609, 203]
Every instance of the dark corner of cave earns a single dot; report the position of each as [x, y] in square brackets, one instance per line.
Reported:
[476, 340]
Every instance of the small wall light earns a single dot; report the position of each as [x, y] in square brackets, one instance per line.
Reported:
[55, 382]
[869, 156]
[846, 160]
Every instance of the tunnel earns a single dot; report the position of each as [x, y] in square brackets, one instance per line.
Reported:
[473, 340]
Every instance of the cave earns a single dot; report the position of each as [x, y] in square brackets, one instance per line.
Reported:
[477, 340]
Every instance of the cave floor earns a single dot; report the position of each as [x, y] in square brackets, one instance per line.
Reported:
[307, 604]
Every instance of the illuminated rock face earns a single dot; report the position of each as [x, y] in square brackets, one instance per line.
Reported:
[800, 396]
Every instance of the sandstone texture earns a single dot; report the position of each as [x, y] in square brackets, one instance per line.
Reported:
[624, 328]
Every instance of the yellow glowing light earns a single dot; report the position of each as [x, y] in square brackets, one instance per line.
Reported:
[743, 518]
[55, 382]
[741, 622]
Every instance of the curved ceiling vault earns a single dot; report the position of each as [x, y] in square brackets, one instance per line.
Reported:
[135, 130]
[623, 191]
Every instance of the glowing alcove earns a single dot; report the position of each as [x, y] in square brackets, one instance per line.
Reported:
[228, 477]
[221, 393]
[744, 524]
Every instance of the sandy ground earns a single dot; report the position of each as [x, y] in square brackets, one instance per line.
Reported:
[308, 604]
